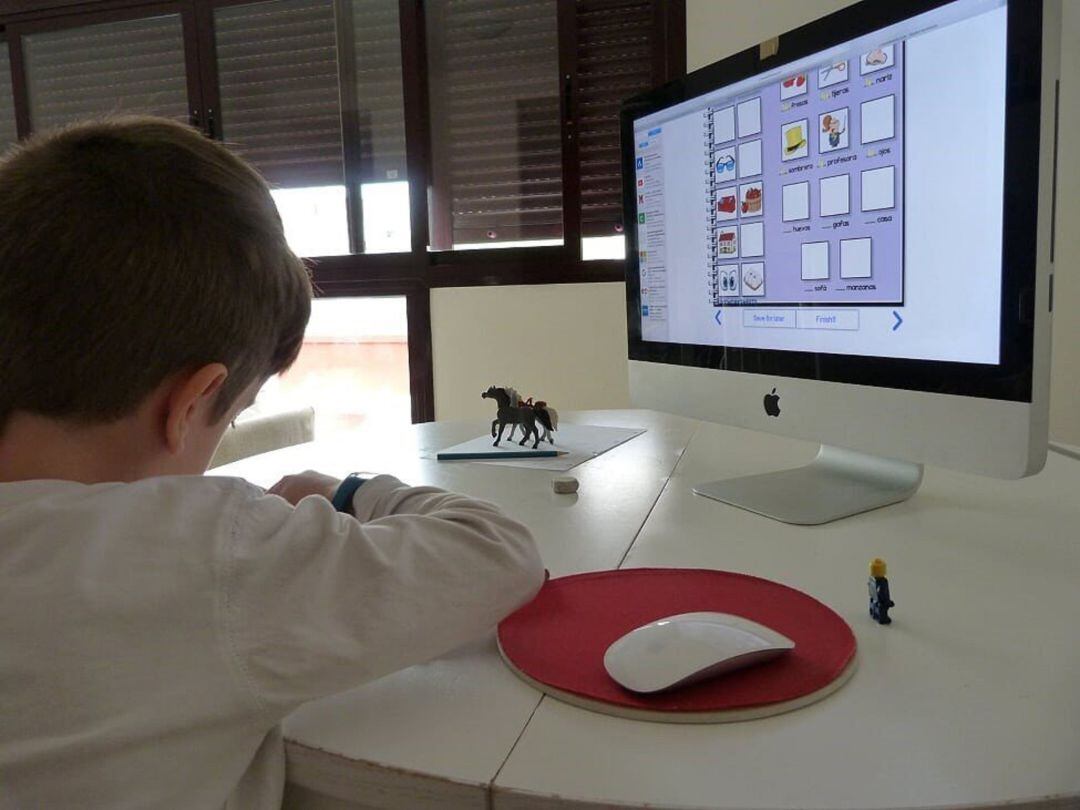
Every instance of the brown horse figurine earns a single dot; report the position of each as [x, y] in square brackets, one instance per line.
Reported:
[511, 415]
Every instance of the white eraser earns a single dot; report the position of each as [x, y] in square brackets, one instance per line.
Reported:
[564, 485]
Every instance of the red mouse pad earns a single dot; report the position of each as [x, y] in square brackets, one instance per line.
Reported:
[559, 639]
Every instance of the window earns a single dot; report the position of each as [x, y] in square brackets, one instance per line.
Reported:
[353, 368]
[376, 138]
[314, 218]
[399, 137]
[133, 66]
[496, 132]
[311, 92]
[317, 93]
[277, 71]
[386, 217]
[615, 61]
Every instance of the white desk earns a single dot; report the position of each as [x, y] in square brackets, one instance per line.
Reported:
[971, 698]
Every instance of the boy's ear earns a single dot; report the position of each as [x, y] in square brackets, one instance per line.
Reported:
[189, 400]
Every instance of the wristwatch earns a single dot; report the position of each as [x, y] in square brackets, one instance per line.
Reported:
[343, 497]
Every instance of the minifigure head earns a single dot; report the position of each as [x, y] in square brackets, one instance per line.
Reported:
[877, 567]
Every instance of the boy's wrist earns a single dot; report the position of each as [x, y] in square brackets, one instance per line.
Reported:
[342, 498]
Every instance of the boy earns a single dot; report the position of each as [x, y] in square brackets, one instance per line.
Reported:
[156, 625]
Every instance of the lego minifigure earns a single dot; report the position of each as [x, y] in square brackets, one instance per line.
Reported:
[879, 592]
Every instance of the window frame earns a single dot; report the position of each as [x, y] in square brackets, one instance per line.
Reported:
[413, 274]
[60, 18]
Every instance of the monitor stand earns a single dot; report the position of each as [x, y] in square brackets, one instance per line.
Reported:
[836, 484]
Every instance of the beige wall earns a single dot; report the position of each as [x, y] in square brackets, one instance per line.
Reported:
[1065, 374]
[719, 28]
[564, 343]
[588, 322]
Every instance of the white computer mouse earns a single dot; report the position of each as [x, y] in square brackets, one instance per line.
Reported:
[683, 649]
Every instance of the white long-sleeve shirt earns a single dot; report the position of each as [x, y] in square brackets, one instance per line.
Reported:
[154, 634]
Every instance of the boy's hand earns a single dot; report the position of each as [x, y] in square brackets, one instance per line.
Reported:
[294, 488]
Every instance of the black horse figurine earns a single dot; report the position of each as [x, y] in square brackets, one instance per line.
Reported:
[511, 415]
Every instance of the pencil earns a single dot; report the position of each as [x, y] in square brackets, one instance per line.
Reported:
[497, 455]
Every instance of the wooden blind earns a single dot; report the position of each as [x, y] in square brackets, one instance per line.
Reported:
[278, 79]
[495, 124]
[119, 67]
[7, 103]
[379, 93]
[615, 47]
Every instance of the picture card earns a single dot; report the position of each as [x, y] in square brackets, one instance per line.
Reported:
[794, 143]
[724, 125]
[835, 73]
[753, 279]
[728, 280]
[833, 130]
[878, 188]
[855, 257]
[752, 239]
[835, 195]
[878, 119]
[877, 59]
[815, 261]
[727, 203]
[750, 158]
[727, 242]
[726, 164]
[796, 202]
[793, 86]
[751, 201]
[750, 117]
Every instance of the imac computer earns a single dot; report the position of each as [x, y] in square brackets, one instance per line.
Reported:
[845, 234]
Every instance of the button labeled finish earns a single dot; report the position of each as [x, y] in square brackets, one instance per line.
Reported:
[846, 319]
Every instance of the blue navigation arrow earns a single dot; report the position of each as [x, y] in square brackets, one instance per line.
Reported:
[899, 320]
[718, 322]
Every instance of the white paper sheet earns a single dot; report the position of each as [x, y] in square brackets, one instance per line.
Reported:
[580, 442]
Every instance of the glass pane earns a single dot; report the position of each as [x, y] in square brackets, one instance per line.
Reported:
[133, 66]
[386, 217]
[313, 219]
[616, 54]
[353, 368]
[380, 100]
[603, 247]
[495, 126]
[380, 117]
[278, 79]
[7, 103]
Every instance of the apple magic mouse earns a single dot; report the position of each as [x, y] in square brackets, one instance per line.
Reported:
[687, 648]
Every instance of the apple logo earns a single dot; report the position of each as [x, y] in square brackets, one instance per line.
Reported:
[772, 403]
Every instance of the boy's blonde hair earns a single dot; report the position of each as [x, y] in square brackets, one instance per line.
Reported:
[132, 249]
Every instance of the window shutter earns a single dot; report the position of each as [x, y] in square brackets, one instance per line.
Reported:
[379, 93]
[615, 47]
[278, 79]
[495, 121]
[133, 66]
[7, 101]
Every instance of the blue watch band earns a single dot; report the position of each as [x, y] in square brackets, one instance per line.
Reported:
[342, 500]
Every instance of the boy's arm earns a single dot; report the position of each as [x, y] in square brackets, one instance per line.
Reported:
[316, 601]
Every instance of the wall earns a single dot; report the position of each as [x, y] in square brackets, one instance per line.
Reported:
[590, 321]
[1065, 375]
[564, 343]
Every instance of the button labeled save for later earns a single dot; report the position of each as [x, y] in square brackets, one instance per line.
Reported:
[769, 318]
[846, 319]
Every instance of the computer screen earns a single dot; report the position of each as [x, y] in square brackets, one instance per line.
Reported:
[848, 203]
[845, 234]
